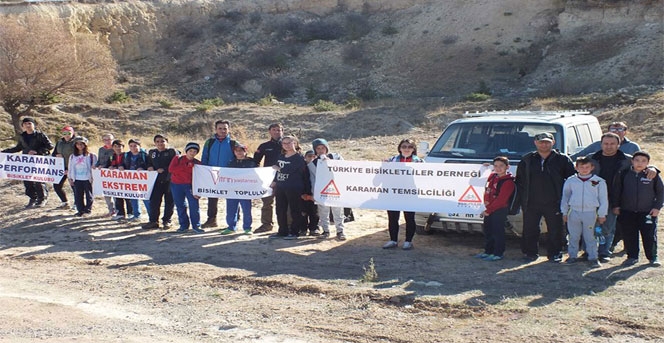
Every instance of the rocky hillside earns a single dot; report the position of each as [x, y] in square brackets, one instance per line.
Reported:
[303, 50]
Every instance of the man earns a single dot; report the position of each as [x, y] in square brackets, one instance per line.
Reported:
[64, 148]
[159, 159]
[218, 152]
[540, 177]
[33, 142]
[269, 150]
[608, 162]
[620, 129]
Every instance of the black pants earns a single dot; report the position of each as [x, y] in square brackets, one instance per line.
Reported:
[159, 191]
[634, 223]
[494, 232]
[83, 196]
[311, 219]
[35, 190]
[393, 225]
[120, 205]
[58, 187]
[212, 209]
[531, 230]
[286, 200]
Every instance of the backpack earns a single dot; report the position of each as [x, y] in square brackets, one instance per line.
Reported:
[513, 204]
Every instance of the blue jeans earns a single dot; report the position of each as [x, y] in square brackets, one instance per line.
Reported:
[232, 212]
[609, 230]
[137, 207]
[182, 195]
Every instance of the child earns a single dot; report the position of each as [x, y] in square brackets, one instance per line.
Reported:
[499, 189]
[322, 150]
[104, 155]
[637, 201]
[115, 162]
[241, 161]
[407, 153]
[584, 202]
[290, 182]
[309, 206]
[80, 176]
[136, 159]
[181, 169]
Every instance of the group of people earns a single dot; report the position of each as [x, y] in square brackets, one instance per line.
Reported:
[603, 188]
[296, 211]
[609, 187]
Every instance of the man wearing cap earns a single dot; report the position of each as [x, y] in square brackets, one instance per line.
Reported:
[33, 142]
[619, 128]
[540, 177]
[64, 148]
[269, 150]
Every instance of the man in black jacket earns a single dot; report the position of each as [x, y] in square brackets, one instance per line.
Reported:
[540, 177]
[33, 142]
[159, 159]
[269, 150]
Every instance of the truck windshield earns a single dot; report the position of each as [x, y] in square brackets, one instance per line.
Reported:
[487, 140]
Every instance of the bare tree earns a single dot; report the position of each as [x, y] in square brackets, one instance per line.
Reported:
[40, 59]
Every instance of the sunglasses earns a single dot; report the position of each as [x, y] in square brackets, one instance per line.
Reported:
[407, 147]
[617, 129]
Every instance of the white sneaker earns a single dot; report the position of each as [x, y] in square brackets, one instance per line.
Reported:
[390, 244]
[407, 245]
[117, 217]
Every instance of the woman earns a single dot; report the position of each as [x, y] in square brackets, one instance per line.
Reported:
[80, 176]
[407, 153]
[290, 183]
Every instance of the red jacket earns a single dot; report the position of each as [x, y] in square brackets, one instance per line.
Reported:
[494, 200]
[181, 169]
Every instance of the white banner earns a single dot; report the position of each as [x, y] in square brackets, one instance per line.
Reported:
[419, 187]
[127, 184]
[32, 167]
[232, 183]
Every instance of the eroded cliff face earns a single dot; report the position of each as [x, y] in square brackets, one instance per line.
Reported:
[408, 48]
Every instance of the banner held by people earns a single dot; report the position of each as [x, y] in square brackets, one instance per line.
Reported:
[419, 187]
[232, 183]
[126, 184]
[36, 168]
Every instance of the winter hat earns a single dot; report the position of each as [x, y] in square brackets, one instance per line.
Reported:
[240, 145]
[81, 139]
[309, 152]
[29, 120]
[320, 141]
[192, 145]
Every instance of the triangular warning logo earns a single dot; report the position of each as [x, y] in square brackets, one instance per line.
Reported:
[330, 189]
[470, 195]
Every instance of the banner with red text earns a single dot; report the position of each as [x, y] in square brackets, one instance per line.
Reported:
[419, 187]
[36, 168]
[127, 184]
[232, 183]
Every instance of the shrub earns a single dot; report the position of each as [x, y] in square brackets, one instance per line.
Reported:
[367, 93]
[354, 54]
[389, 30]
[235, 77]
[267, 100]
[483, 88]
[353, 103]
[324, 106]
[165, 103]
[477, 97]
[281, 87]
[273, 57]
[118, 96]
[357, 26]
[209, 104]
[370, 274]
[320, 30]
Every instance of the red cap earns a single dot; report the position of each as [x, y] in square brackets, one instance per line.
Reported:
[68, 128]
